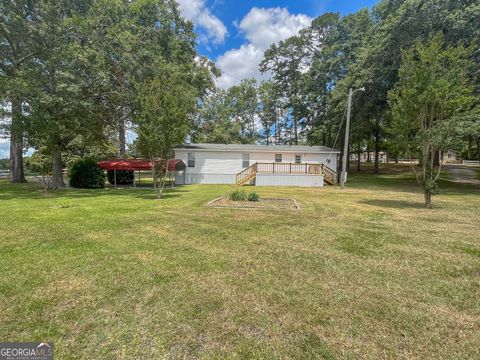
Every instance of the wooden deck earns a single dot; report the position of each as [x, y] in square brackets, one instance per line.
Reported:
[250, 173]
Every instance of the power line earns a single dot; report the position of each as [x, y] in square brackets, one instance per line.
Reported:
[338, 132]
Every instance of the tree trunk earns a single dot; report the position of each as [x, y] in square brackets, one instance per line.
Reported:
[428, 199]
[57, 168]
[16, 143]
[358, 161]
[275, 137]
[377, 145]
[295, 129]
[121, 139]
[340, 162]
[478, 149]
[11, 159]
[436, 158]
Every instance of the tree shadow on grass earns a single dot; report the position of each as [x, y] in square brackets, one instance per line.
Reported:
[34, 191]
[167, 194]
[395, 204]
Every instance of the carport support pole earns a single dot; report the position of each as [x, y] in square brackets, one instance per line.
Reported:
[115, 178]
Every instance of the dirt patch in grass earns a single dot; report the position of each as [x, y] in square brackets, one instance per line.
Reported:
[261, 204]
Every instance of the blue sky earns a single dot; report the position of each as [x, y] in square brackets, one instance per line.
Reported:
[231, 13]
[236, 33]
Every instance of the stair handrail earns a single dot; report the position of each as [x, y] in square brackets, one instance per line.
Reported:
[329, 173]
[245, 173]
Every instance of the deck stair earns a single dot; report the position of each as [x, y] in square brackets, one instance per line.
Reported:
[329, 175]
[248, 174]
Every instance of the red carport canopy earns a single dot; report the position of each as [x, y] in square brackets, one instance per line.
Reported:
[139, 164]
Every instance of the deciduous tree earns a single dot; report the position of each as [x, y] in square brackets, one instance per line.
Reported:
[433, 88]
[166, 104]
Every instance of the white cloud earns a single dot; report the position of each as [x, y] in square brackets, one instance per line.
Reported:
[4, 148]
[261, 28]
[238, 64]
[211, 27]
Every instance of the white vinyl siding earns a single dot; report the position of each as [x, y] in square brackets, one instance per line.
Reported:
[213, 162]
[196, 178]
[230, 162]
[303, 180]
[220, 167]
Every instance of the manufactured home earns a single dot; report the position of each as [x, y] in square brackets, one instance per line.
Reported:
[449, 156]
[262, 165]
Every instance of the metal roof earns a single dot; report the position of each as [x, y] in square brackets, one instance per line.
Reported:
[139, 164]
[254, 147]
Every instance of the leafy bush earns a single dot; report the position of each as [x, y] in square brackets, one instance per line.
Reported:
[124, 177]
[38, 163]
[86, 174]
[253, 196]
[242, 195]
[237, 195]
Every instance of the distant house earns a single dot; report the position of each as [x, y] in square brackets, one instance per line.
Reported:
[450, 156]
[369, 156]
[273, 165]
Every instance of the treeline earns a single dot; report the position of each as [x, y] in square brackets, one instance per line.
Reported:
[305, 99]
[75, 74]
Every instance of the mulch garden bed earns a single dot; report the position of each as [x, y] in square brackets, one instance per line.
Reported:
[261, 204]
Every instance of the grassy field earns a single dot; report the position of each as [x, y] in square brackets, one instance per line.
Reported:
[360, 273]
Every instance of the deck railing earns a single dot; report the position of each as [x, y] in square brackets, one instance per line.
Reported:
[288, 168]
[248, 174]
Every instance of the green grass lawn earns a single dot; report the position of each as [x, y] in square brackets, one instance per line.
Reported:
[360, 273]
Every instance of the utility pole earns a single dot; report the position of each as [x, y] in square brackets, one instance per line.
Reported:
[343, 175]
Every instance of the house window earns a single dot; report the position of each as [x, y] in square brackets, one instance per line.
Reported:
[278, 157]
[449, 155]
[191, 159]
[245, 160]
[298, 159]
